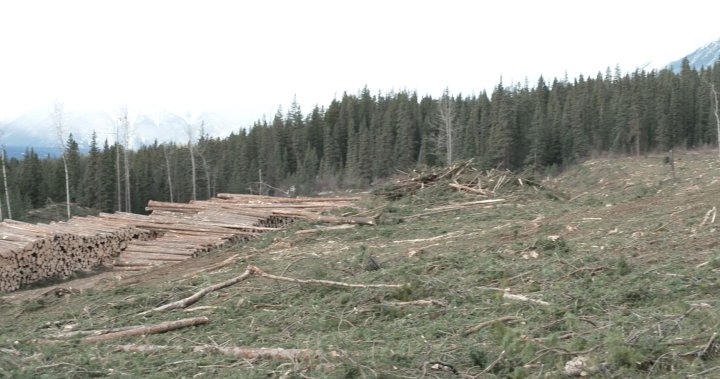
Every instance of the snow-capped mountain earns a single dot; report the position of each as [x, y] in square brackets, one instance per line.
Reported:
[702, 57]
[34, 129]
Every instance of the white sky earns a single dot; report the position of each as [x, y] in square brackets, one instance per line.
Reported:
[249, 57]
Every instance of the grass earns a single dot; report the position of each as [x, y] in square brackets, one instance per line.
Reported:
[629, 272]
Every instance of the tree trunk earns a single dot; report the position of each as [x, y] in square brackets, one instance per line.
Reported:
[117, 171]
[192, 168]
[717, 117]
[67, 186]
[169, 177]
[7, 192]
[207, 174]
[128, 208]
[150, 329]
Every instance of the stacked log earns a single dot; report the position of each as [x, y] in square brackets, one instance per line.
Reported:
[30, 253]
[173, 232]
[190, 229]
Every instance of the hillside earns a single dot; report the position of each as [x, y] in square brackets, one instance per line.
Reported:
[608, 270]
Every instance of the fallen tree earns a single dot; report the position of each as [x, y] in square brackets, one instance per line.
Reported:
[236, 351]
[256, 271]
[149, 329]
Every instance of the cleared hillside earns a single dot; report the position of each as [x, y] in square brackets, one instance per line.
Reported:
[609, 270]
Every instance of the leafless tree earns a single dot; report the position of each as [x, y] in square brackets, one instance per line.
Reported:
[201, 152]
[190, 130]
[118, 179]
[58, 119]
[169, 177]
[717, 117]
[123, 137]
[158, 121]
[447, 126]
[7, 191]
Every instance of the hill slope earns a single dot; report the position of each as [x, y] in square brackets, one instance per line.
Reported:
[612, 266]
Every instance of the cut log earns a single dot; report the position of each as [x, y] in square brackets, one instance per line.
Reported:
[150, 329]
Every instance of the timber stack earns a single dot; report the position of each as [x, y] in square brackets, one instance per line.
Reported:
[189, 229]
[30, 253]
[173, 232]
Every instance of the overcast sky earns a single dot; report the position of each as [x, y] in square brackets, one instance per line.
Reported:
[250, 57]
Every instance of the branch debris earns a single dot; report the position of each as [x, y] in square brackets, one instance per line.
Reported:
[254, 270]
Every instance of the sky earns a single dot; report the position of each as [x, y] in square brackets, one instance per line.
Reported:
[248, 58]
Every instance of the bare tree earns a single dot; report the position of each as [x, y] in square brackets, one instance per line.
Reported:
[123, 136]
[158, 121]
[58, 119]
[118, 179]
[201, 152]
[717, 117]
[446, 125]
[169, 177]
[7, 191]
[189, 129]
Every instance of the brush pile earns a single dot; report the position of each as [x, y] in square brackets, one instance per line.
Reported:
[461, 176]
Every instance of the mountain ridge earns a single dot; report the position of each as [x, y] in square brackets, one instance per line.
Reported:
[704, 56]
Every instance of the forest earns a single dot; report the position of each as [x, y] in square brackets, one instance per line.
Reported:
[361, 139]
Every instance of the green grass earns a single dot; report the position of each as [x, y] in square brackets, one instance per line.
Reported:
[632, 287]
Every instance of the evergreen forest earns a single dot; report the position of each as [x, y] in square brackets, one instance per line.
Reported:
[360, 139]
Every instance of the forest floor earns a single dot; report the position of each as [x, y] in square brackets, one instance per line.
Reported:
[617, 277]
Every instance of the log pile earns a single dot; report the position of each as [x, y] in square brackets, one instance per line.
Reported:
[30, 253]
[189, 229]
[173, 232]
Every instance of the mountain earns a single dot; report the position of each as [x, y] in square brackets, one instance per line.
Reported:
[702, 57]
[34, 129]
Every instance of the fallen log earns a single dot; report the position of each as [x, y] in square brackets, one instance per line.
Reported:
[505, 319]
[150, 329]
[254, 270]
[259, 272]
[328, 228]
[186, 302]
[240, 352]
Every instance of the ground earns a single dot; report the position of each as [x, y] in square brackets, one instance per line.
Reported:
[611, 269]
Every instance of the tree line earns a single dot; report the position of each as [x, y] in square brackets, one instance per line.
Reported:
[361, 138]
